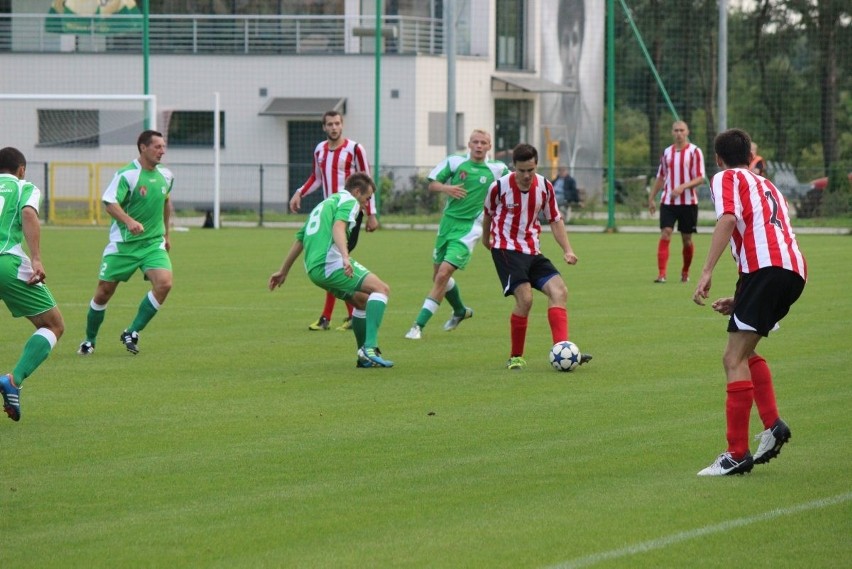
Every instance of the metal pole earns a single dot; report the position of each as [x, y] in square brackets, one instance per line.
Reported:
[723, 66]
[610, 114]
[260, 221]
[146, 54]
[378, 109]
[217, 196]
[450, 48]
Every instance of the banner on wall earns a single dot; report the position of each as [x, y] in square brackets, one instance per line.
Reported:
[573, 41]
[93, 16]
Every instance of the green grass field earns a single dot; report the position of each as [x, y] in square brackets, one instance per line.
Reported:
[237, 438]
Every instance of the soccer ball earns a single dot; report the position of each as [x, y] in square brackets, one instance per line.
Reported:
[564, 356]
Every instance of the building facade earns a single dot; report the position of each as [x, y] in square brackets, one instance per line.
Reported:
[525, 70]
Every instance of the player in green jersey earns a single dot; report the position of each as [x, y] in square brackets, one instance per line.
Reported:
[138, 201]
[465, 180]
[22, 277]
[323, 238]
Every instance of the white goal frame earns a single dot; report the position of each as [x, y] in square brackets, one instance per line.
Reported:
[149, 100]
[90, 170]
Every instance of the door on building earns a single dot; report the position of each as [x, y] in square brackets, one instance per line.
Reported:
[303, 137]
[511, 126]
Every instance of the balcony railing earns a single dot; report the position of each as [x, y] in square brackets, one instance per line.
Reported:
[209, 34]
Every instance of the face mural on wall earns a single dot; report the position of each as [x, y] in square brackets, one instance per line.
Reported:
[572, 56]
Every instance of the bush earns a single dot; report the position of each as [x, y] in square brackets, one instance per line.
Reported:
[415, 199]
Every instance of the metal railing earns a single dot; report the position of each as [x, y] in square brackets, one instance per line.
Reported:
[209, 34]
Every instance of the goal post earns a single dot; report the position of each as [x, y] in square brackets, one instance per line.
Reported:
[73, 144]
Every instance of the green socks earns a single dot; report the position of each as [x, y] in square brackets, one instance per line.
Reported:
[94, 319]
[147, 310]
[430, 307]
[453, 296]
[36, 350]
[376, 305]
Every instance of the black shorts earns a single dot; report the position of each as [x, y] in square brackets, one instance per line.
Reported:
[763, 298]
[514, 268]
[686, 217]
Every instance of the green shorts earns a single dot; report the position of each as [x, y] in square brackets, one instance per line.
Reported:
[337, 283]
[121, 260]
[456, 240]
[22, 299]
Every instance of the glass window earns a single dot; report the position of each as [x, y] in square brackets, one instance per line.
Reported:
[511, 21]
[438, 130]
[511, 126]
[193, 128]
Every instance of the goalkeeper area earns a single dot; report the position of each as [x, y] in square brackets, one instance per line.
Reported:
[73, 145]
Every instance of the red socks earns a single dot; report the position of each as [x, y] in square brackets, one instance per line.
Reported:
[688, 251]
[663, 256]
[329, 306]
[518, 325]
[764, 392]
[737, 411]
[557, 317]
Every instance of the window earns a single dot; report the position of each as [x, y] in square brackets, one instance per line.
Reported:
[68, 128]
[5, 25]
[511, 126]
[302, 138]
[511, 21]
[193, 128]
[438, 130]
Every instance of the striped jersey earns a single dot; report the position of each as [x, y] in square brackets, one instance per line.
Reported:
[142, 194]
[15, 195]
[514, 213]
[678, 167]
[763, 236]
[333, 167]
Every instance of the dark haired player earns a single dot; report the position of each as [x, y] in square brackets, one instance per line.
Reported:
[752, 216]
[137, 199]
[510, 229]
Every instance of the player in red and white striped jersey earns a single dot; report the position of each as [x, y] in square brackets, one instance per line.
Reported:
[753, 218]
[511, 230]
[335, 159]
[681, 171]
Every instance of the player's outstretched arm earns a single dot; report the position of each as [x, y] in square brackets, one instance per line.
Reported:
[486, 230]
[724, 306]
[117, 213]
[561, 236]
[32, 235]
[278, 277]
[721, 238]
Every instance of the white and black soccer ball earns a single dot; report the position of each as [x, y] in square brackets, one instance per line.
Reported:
[564, 356]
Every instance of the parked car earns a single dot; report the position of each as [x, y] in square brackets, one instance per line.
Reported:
[821, 183]
[809, 204]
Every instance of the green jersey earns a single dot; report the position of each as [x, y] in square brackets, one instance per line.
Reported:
[316, 234]
[476, 177]
[15, 195]
[142, 194]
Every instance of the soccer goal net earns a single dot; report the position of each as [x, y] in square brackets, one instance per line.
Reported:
[74, 144]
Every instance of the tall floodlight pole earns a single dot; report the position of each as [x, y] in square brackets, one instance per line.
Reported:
[146, 53]
[723, 66]
[610, 114]
[378, 106]
[450, 48]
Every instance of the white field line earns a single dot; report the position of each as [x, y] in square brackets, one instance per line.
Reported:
[679, 537]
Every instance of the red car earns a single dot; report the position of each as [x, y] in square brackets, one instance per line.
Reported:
[820, 183]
